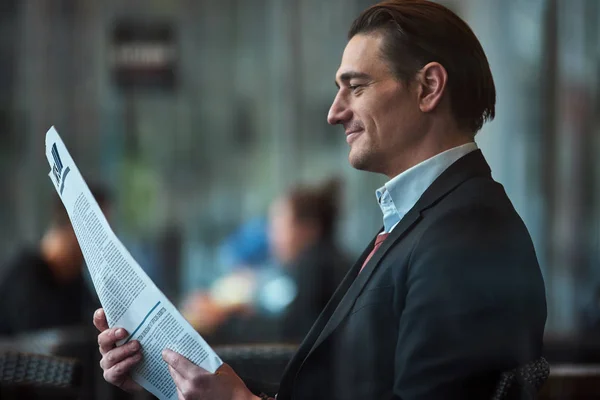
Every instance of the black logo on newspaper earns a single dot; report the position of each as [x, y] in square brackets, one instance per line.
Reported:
[60, 173]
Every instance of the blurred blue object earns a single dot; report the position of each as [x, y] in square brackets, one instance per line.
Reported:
[276, 292]
[247, 247]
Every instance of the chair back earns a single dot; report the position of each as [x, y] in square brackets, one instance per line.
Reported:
[26, 375]
[523, 382]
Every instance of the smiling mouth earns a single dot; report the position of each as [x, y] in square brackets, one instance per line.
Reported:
[350, 137]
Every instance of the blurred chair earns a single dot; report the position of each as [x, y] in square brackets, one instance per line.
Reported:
[75, 343]
[29, 376]
[524, 382]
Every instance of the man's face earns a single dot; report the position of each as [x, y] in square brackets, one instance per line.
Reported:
[379, 113]
[287, 235]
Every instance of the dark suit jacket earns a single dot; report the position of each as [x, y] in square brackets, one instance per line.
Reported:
[452, 298]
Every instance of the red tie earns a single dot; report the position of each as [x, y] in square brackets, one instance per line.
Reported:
[378, 241]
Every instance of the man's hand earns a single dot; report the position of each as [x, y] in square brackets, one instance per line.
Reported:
[117, 361]
[195, 383]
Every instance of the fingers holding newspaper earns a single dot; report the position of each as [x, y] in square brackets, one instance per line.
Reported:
[194, 382]
[116, 362]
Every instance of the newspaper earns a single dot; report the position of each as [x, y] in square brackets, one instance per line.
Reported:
[129, 298]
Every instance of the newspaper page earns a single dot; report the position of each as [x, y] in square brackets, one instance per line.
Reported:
[129, 298]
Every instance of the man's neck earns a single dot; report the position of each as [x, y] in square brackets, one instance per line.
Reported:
[430, 146]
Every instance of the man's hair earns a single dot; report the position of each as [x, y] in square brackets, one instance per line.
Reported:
[417, 32]
[318, 205]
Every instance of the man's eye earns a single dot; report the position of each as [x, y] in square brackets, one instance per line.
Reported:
[353, 87]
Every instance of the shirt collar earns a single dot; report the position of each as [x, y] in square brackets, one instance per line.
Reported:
[402, 192]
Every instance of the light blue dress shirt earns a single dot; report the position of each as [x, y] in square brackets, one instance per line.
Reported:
[402, 192]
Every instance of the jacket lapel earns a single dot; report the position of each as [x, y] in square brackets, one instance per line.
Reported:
[357, 286]
[309, 341]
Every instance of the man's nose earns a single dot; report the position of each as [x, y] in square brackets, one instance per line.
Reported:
[339, 112]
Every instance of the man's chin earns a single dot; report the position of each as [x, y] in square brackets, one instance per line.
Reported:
[365, 160]
[358, 161]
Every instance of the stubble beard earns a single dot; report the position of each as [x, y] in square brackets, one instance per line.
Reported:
[363, 158]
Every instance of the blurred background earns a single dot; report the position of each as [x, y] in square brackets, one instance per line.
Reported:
[198, 115]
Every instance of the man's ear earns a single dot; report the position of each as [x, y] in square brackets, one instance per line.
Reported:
[432, 81]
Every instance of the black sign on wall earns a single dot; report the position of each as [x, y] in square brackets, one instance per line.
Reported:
[143, 55]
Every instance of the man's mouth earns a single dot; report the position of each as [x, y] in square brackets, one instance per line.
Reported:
[352, 135]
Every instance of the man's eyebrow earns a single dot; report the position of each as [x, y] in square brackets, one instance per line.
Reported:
[346, 76]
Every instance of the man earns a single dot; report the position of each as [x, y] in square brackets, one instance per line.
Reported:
[450, 293]
[44, 287]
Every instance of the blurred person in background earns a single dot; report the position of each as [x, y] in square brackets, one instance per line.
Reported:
[44, 286]
[449, 294]
[302, 239]
[243, 256]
